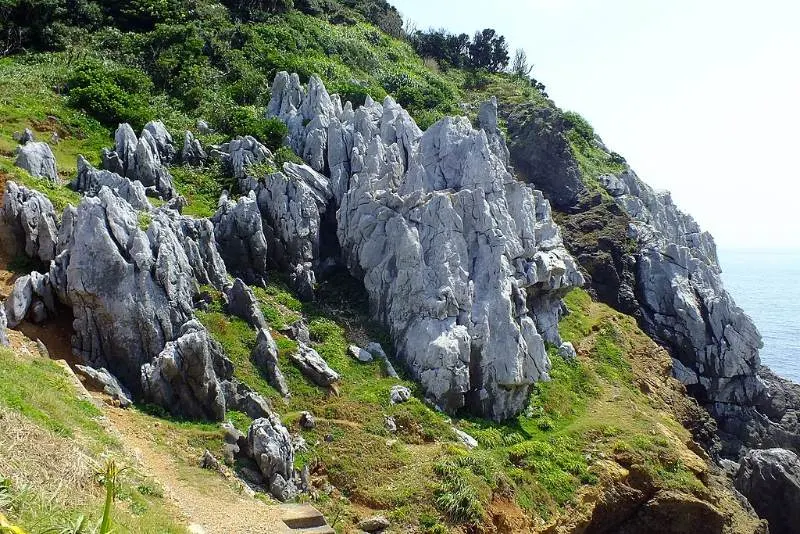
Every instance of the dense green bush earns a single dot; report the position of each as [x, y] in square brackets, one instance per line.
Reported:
[249, 121]
[111, 94]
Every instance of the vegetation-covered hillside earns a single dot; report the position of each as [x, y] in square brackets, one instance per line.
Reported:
[610, 421]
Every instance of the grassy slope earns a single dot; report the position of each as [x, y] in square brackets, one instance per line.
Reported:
[52, 446]
[543, 462]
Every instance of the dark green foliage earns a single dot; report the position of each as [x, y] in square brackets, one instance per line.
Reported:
[380, 13]
[488, 51]
[250, 121]
[110, 94]
[284, 154]
[143, 15]
[448, 49]
[257, 10]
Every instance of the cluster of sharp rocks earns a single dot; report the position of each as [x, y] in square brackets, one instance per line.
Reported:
[462, 262]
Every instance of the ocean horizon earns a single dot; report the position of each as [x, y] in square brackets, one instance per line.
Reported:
[766, 285]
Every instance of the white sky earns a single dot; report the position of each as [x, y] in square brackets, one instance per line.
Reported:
[700, 96]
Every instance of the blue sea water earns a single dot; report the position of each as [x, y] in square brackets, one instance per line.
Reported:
[766, 285]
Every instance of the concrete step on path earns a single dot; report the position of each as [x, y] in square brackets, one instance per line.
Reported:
[304, 519]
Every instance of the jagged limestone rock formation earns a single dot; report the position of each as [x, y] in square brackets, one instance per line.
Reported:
[185, 376]
[462, 262]
[242, 303]
[239, 232]
[29, 223]
[89, 181]
[37, 158]
[650, 260]
[192, 152]
[683, 302]
[239, 154]
[143, 159]
[294, 204]
[271, 448]
[130, 291]
[265, 356]
[162, 139]
[770, 479]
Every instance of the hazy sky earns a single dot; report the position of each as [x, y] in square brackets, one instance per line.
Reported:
[702, 97]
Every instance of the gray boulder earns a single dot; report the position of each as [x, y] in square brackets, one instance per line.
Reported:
[192, 152]
[240, 397]
[32, 297]
[271, 447]
[770, 479]
[376, 523]
[108, 383]
[359, 354]
[38, 160]
[29, 223]
[265, 356]
[24, 136]
[240, 235]
[185, 377]
[90, 180]
[242, 303]
[567, 351]
[399, 394]
[307, 420]
[313, 366]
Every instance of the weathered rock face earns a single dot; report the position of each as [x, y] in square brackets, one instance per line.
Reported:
[648, 259]
[130, 291]
[462, 262]
[541, 152]
[683, 302]
[265, 356]
[89, 181]
[143, 159]
[271, 447]
[242, 303]
[32, 297]
[192, 151]
[240, 235]
[185, 376]
[770, 479]
[29, 223]
[37, 158]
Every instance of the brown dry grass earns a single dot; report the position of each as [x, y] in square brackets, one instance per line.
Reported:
[35, 459]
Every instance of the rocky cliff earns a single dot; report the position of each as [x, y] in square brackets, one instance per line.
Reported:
[653, 261]
[462, 262]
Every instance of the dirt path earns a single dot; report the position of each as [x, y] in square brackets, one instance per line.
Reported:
[206, 499]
